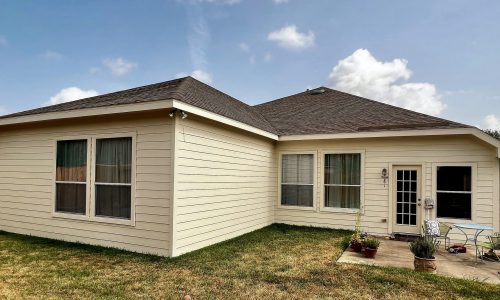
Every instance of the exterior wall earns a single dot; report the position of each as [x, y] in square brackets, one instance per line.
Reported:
[225, 183]
[27, 182]
[382, 153]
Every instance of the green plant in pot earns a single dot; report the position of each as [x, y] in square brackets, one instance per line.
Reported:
[423, 251]
[370, 246]
[355, 243]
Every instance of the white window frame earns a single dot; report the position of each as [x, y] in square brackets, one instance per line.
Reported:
[90, 190]
[362, 182]
[314, 185]
[473, 167]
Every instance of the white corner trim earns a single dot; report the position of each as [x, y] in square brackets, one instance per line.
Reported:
[225, 120]
[88, 112]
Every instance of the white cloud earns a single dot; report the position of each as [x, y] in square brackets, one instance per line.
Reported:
[119, 66]
[3, 41]
[201, 75]
[51, 55]
[244, 47]
[491, 122]
[288, 37]
[280, 1]
[71, 94]
[363, 75]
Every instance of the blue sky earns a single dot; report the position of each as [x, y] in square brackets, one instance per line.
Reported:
[438, 57]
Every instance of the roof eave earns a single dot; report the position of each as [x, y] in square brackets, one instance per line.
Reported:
[88, 112]
[399, 133]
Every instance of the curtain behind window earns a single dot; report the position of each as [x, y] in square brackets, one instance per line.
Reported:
[113, 177]
[343, 180]
[297, 179]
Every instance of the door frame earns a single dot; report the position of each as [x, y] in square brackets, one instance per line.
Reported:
[423, 191]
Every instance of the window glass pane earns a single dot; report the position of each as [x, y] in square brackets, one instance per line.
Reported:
[72, 161]
[452, 205]
[113, 201]
[456, 179]
[297, 168]
[342, 196]
[71, 198]
[297, 195]
[343, 169]
[114, 160]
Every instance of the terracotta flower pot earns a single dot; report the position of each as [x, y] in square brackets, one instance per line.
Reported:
[425, 264]
[356, 246]
[369, 252]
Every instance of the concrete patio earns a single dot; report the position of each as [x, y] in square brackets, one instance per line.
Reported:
[397, 254]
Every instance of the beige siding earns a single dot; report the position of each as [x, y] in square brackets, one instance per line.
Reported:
[27, 183]
[225, 183]
[382, 153]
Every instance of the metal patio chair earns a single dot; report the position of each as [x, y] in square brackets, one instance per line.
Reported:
[492, 246]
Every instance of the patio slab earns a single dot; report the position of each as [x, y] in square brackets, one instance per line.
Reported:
[397, 254]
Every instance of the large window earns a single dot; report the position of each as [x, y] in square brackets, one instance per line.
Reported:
[454, 192]
[71, 177]
[342, 180]
[113, 177]
[297, 179]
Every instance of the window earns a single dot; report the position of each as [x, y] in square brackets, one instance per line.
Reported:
[113, 177]
[71, 177]
[454, 192]
[342, 180]
[297, 179]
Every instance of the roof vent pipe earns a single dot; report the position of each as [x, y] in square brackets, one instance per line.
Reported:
[317, 91]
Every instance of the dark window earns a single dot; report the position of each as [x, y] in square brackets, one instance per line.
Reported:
[454, 192]
[71, 176]
[113, 178]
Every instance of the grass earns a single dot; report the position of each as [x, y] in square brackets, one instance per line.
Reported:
[277, 262]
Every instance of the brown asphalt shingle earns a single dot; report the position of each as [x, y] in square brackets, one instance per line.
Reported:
[308, 112]
[331, 111]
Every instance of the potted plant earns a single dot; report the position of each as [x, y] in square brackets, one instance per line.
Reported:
[355, 243]
[370, 246]
[424, 250]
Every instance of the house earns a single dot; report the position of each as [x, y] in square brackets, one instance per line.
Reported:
[176, 166]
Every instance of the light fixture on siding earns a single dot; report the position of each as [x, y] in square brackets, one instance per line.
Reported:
[172, 113]
[385, 175]
[184, 115]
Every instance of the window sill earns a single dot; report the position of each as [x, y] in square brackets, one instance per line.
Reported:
[70, 216]
[340, 210]
[297, 207]
[86, 218]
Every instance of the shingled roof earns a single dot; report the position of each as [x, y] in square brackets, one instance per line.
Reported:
[319, 111]
[186, 89]
[327, 111]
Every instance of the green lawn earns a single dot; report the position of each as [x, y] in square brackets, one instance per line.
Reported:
[277, 262]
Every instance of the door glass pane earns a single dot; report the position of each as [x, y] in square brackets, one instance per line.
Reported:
[406, 200]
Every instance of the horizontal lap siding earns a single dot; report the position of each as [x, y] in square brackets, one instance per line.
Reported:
[26, 184]
[379, 153]
[225, 183]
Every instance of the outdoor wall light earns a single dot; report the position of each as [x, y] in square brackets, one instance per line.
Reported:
[385, 175]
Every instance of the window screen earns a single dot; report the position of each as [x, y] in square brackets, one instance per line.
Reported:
[342, 180]
[454, 192]
[113, 177]
[71, 176]
[297, 179]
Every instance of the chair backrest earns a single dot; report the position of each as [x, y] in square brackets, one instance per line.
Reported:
[495, 241]
[444, 228]
[432, 228]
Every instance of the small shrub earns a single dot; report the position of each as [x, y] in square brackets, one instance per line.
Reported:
[345, 242]
[371, 243]
[423, 248]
